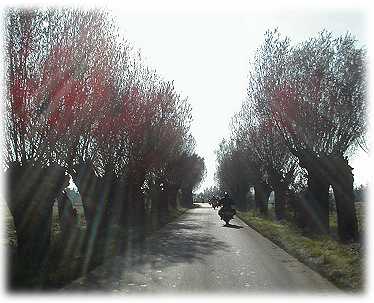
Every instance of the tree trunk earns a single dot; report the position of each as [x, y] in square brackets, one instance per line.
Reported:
[69, 224]
[103, 193]
[301, 214]
[86, 181]
[318, 202]
[163, 209]
[318, 191]
[155, 205]
[91, 191]
[31, 194]
[240, 199]
[118, 206]
[262, 192]
[279, 201]
[136, 213]
[187, 197]
[67, 216]
[280, 187]
[172, 196]
[342, 183]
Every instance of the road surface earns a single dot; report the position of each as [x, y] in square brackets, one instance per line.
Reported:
[198, 254]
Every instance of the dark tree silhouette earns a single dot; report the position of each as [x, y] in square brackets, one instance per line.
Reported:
[314, 93]
[235, 172]
[80, 101]
[194, 174]
[263, 145]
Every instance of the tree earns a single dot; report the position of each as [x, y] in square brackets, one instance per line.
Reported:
[30, 196]
[263, 145]
[79, 101]
[209, 194]
[55, 68]
[194, 174]
[235, 171]
[314, 94]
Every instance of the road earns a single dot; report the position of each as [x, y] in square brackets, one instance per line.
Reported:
[198, 254]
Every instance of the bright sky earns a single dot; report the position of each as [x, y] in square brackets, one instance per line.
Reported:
[208, 53]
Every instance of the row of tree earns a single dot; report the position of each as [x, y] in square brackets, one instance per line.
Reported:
[81, 102]
[208, 195]
[304, 112]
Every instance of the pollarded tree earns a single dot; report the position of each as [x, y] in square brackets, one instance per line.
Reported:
[77, 92]
[168, 139]
[52, 55]
[257, 175]
[55, 68]
[35, 177]
[315, 95]
[263, 144]
[166, 121]
[174, 143]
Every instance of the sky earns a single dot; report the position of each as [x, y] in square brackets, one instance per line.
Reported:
[207, 54]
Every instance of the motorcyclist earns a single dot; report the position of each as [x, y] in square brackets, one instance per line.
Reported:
[226, 209]
[214, 202]
[226, 201]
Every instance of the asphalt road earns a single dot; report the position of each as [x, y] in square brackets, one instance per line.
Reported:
[198, 254]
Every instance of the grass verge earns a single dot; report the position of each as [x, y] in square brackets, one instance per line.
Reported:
[339, 263]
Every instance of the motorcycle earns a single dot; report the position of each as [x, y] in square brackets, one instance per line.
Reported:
[226, 214]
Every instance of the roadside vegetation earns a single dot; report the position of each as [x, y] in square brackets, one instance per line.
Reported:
[303, 117]
[82, 106]
[341, 263]
[65, 266]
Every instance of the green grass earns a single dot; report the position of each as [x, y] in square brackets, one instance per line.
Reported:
[339, 263]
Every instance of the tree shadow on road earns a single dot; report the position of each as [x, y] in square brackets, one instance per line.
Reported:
[232, 226]
[184, 241]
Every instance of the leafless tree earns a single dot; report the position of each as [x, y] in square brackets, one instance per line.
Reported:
[314, 93]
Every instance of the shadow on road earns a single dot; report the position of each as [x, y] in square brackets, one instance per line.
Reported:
[184, 241]
[232, 226]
